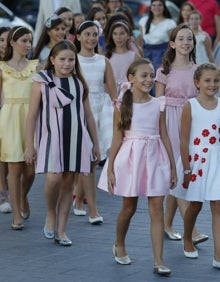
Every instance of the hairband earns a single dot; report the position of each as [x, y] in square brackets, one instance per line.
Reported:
[121, 23]
[17, 29]
[48, 22]
[96, 23]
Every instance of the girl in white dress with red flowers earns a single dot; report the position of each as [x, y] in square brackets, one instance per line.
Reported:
[199, 177]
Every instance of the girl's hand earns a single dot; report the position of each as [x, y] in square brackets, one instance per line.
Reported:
[96, 155]
[186, 180]
[173, 180]
[111, 182]
[30, 156]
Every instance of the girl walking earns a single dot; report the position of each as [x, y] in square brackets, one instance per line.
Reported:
[141, 147]
[174, 80]
[200, 154]
[16, 72]
[60, 104]
[98, 74]
[117, 51]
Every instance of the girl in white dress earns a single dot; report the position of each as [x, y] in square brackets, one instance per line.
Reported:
[199, 174]
[98, 73]
[204, 52]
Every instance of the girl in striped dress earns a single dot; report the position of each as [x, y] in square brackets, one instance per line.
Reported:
[60, 107]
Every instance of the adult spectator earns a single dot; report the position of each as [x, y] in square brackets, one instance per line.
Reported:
[211, 17]
[156, 27]
[47, 8]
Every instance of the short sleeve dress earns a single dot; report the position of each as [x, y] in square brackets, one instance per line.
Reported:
[142, 166]
[62, 140]
[16, 88]
[179, 87]
[204, 155]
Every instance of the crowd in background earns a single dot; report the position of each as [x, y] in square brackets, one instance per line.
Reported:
[107, 42]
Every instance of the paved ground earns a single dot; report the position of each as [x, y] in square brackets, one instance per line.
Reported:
[26, 256]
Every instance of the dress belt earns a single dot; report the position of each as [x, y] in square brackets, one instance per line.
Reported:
[16, 101]
[148, 137]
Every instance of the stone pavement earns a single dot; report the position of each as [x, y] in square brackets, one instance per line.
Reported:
[26, 256]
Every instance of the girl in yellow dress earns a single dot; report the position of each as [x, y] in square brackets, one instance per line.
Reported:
[16, 73]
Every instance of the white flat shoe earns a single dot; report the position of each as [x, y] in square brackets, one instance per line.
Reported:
[200, 238]
[161, 270]
[216, 263]
[96, 220]
[173, 235]
[192, 255]
[77, 211]
[121, 260]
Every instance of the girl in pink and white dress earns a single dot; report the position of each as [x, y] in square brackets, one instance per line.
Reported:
[141, 148]
[60, 108]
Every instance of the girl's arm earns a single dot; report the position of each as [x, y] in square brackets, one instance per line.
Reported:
[184, 141]
[115, 146]
[208, 47]
[90, 121]
[35, 98]
[160, 89]
[166, 141]
[110, 80]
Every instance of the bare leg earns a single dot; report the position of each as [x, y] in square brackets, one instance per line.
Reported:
[129, 207]
[64, 203]
[26, 183]
[52, 189]
[157, 227]
[191, 214]
[170, 210]
[14, 185]
[78, 191]
[183, 204]
[88, 185]
[215, 208]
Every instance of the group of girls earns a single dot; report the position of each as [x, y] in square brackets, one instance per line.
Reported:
[70, 110]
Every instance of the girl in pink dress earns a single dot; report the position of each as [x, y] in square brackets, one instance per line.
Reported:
[118, 52]
[141, 148]
[174, 80]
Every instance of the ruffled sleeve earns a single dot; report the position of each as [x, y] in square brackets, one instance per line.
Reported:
[161, 77]
[162, 101]
[58, 97]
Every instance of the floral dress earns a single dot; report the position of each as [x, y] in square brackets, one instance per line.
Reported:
[204, 155]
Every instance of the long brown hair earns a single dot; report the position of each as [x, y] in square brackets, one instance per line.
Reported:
[126, 109]
[67, 45]
[170, 54]
[14, 34]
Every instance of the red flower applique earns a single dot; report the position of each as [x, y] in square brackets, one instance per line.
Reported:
[193, 177]
[197, 141]
[212, 140]
[205, 150]
[190, 158]
[214, 126]
[205, 133]
[184, 185]
[200, 172]
[196, 157]
[203, 160]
